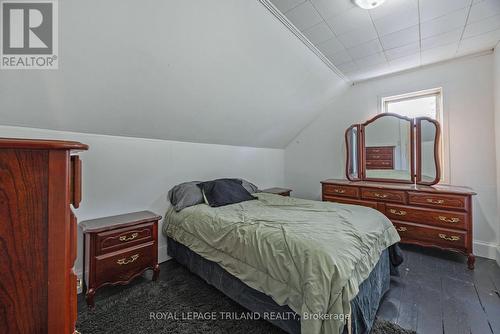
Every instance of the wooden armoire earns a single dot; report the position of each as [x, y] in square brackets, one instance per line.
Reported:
[39, 181]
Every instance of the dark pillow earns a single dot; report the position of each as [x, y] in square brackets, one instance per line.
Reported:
[224, 192]
[185, 194]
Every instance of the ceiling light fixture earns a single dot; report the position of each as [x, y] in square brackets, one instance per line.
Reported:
[368, 4]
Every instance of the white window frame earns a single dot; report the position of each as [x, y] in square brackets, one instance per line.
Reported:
[441, 117]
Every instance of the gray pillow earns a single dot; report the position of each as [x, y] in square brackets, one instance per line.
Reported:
[185, 194]
[250, 187]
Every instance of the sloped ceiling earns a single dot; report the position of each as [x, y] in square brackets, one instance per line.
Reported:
[220, 71]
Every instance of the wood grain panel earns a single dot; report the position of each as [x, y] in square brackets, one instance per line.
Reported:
[23, 241]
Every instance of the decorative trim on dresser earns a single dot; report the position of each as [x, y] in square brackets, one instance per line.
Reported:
[435, 216]
[39, 179]
[118, 249]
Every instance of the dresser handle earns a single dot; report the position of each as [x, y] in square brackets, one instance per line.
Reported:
[375, 151]
[401, 229]
[432, 201]
[127, 238]
[380, 195]
[449, 220]
[376, 157]
[452, 238]
[339, 191]
[127, 261]
[398, 212]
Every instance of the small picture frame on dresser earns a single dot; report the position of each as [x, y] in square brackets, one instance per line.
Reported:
[277, 191]
[118, 249]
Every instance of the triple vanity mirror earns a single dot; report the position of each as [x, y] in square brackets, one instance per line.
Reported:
[394, 148]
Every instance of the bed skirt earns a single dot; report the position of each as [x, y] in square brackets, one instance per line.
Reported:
[364, 306]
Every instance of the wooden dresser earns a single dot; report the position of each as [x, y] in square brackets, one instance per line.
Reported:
[379, 157]
[437, 216]
[118, 249]
[39, 180]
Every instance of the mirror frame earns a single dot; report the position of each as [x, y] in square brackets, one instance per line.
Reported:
[363, 149]
[348, 150]
[415, 156]
[418, 150]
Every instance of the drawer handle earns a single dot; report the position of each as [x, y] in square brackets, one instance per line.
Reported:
[127, 261]
[376, 157]
[435, 201]
[127, 238]
[375, 151]
[449, 220]
[398, 212]
[339, 191]
[401, 229]
[380, 195]
[452, 238]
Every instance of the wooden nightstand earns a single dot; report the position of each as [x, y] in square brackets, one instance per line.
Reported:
[118, 249]
[278, 191]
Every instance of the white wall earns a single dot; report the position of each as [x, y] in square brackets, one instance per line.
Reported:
[318, 152]
[123, 174]
[496, 87]
[220, 72]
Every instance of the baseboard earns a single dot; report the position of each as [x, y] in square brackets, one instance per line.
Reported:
[486, 249]
[162, 257]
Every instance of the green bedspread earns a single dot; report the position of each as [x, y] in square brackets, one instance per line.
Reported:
[309, 255]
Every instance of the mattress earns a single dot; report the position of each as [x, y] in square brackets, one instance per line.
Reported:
[309, 255]
[363, 307]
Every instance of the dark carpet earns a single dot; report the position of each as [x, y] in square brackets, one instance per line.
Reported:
[175, 305]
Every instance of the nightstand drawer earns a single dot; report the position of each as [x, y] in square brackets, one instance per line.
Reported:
[114, 240]
[121, 266]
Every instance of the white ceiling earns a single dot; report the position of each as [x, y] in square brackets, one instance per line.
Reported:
[398, 35]
[220, 72]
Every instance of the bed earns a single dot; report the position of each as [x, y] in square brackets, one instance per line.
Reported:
[326, 262]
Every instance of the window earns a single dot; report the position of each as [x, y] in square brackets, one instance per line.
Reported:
[426, 103]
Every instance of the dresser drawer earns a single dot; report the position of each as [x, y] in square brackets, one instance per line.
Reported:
[379, 164]
[438, 200]
[110, 241]
[337, 190]
[448, 219]
[121, 266]
[444, 238]
[383, 195]
[379, 156]
[342, 200]
[380, 150]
